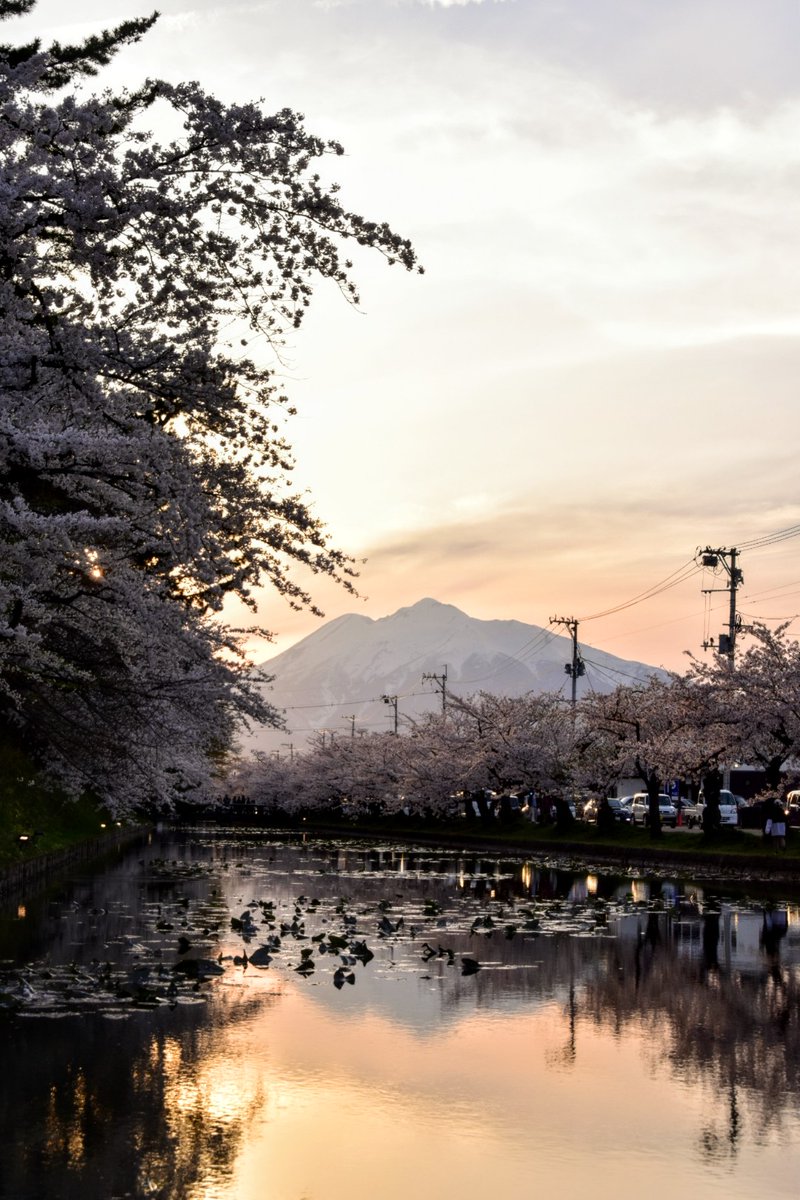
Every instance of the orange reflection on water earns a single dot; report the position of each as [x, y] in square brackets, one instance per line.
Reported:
[359, 1106]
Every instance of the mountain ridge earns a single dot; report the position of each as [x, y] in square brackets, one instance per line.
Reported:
[336, 678]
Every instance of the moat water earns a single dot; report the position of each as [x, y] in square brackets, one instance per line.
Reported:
[217, 1015]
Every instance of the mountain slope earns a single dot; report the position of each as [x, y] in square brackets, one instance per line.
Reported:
[336, 677]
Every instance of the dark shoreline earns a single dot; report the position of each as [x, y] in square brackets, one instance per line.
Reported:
[707, 862]
[16, 879]
[42, 869]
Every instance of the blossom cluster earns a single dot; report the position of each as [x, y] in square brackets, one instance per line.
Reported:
[144, 474]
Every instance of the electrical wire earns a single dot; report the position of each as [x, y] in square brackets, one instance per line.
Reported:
[760, 617]
[770, 539]
[680, 575]
[539, 640]
[604, 668]
[772, 591]
[531, 648]
[347, 703]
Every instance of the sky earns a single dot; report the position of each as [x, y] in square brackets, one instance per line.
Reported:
[597, 373]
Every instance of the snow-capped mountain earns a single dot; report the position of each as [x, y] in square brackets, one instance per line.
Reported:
[336, 678]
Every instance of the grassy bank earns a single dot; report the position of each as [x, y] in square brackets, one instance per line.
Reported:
[730, 847]
[37, 820]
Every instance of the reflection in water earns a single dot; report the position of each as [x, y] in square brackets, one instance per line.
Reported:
[619, 1034]
[730, 1027]
[150, 1107]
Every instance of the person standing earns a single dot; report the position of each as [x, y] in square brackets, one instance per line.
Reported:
[778, 815]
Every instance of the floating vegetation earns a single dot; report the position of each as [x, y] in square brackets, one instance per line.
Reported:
[162, 868]
[260, 918]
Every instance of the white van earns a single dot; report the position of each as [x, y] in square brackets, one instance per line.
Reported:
[728, 810]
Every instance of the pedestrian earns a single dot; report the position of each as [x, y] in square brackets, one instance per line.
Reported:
[778, 825]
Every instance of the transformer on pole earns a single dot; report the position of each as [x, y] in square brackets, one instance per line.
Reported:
[577, 667]
[441, 682]
[726, 643]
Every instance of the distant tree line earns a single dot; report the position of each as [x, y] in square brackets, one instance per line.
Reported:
[686, 726]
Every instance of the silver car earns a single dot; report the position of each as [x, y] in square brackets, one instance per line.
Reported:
[640, 810]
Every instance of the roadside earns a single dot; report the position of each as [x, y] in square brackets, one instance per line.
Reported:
[731, 852]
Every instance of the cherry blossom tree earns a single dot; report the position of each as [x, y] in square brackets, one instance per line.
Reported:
[524, 743]
[705, 738]
[759, 700]
[636, 731]
[360, 773]
[441, 761]
[272, 785]
[144, 472]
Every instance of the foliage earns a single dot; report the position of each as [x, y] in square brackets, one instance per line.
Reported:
[685, 727]
[35, 819]
[637, 731]
[144, 476]
[526, 743]
[759, 699]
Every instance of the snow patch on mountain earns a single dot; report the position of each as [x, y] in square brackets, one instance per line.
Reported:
[335, 679]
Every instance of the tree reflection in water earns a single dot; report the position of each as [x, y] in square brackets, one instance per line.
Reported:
[736, 1029]
[163, 1103]
[142, 1107]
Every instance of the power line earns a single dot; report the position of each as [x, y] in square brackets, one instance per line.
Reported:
[774, 593]
[682, 573]
[343, 703]
[761, 617]
[529, 648]
[604, 668]
[770, 539]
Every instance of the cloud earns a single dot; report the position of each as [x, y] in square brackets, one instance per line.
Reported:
[453, 3]
[598, 371]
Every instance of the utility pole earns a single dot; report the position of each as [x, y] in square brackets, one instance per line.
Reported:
[577, 667]
[440, 681]
[393, 701]
[352, 720]
[290, 746]
[726, 644]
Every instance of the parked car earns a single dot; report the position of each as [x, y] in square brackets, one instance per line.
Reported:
[640, 810]
[728, 797]
[754, 815]
[793, 808]
[728, 811]
[621, 812]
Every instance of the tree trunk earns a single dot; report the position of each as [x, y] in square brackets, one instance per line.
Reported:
[564, 818]
[654, 812]
[712, 785]
[772, 773]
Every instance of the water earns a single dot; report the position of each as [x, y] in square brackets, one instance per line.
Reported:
[428, 1023]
